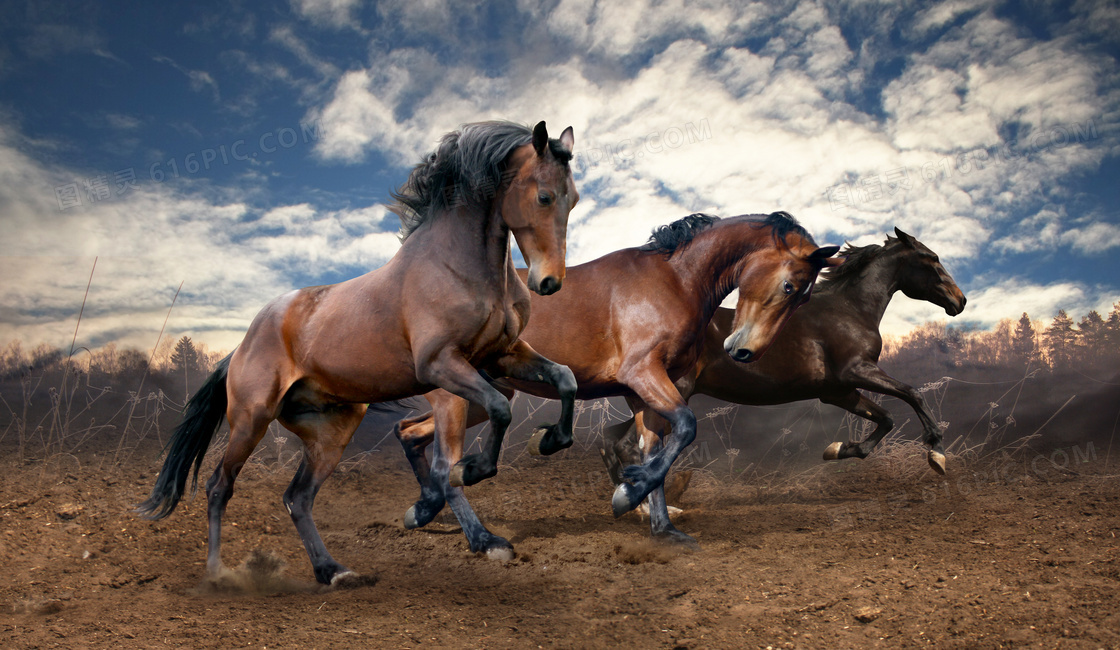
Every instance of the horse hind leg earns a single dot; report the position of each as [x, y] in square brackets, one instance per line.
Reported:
[860, 405]
[245, 434]
[620, 448]
[415, 434]
[325, 433]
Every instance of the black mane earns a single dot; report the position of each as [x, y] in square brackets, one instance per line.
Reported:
[672, 237]
[668, 238]
[782, 224]
[856, 260]
[465, 169]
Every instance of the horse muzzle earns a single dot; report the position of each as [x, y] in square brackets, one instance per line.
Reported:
[955, 304]
[736, 351]
[547, 286]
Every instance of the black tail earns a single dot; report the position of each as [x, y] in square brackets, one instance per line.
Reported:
[188, 444]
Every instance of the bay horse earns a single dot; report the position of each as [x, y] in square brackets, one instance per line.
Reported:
[829, 350]
[447, 308]
[631, 323]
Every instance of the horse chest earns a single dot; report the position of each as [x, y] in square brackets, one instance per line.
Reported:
[498, 330]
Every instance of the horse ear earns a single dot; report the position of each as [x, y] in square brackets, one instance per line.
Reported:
[823, 257]
[906, 239]
[540, 138]
[568, 139]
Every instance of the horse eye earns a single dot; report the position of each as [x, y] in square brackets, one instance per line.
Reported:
[544, 199]
[787, 287]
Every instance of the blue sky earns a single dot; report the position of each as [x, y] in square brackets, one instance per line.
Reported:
[244, 149]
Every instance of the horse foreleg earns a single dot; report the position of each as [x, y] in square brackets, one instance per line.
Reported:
[871, 377]
[660, 526]
[651, 385]
[451, 421]
[524, 363]
[860, 405]
[415, 434]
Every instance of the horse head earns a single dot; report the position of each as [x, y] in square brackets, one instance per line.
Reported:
[536, 202]
[774, 281]
[922, 277]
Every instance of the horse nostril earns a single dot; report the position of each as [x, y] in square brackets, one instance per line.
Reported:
[549, 286]
[742, 355]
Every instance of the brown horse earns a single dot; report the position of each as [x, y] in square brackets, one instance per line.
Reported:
[632, 325]
[447, 306]
[828, 351]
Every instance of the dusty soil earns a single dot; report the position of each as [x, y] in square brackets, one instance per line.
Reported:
[875, 553]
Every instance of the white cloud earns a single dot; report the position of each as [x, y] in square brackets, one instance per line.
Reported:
[285, 36]
[617, 29]
[942, 13]
[1094, 238]
[335, 13]
[149, 241]
[779, 139]
[200, 80]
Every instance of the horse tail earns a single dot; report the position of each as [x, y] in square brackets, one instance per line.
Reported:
[204, 414]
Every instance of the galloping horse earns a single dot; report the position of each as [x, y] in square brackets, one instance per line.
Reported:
[633, 324]
[447, 306]
[828, 351]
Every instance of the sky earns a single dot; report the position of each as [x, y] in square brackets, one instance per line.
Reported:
[240, 150]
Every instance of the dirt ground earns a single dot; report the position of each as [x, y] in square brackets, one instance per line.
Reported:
[874, 553]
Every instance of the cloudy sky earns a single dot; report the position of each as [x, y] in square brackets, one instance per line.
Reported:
[244, 149]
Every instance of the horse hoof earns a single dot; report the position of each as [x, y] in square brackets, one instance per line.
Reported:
[833, 451]
[535, 441]
[621, 503]
[351, 580]
[410, 521]
[501, 554]
[937, 461]
[677, 539]
[344, 580]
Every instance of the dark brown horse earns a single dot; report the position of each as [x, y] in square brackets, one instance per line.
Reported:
[446, 306]
[630, 324]
[828, 351]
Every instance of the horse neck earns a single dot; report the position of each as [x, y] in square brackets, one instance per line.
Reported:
[475, 241]
[709, 267]
[871, 292]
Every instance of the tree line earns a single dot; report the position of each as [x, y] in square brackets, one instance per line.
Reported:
[1092, 344]
[180, 364]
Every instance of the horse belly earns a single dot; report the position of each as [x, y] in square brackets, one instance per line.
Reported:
[373, 376]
